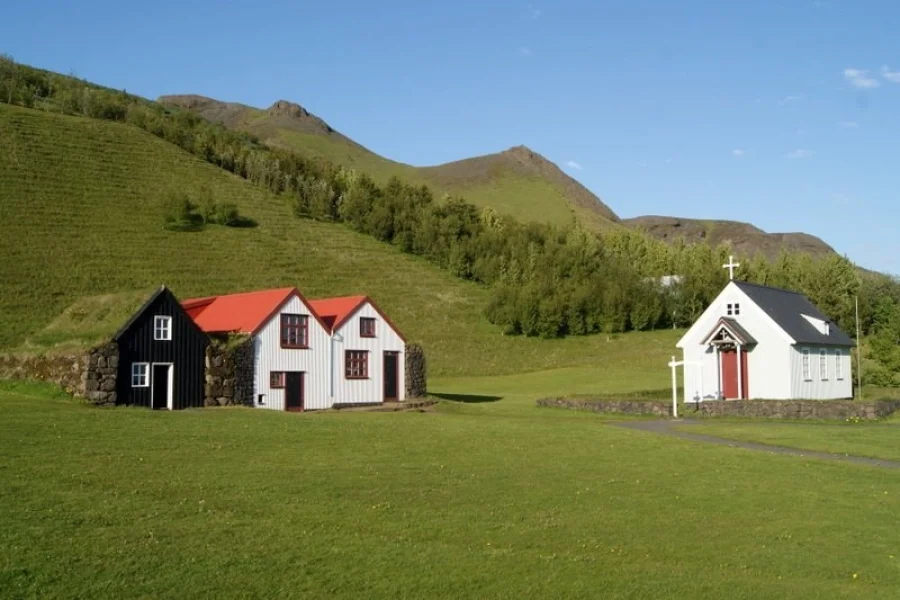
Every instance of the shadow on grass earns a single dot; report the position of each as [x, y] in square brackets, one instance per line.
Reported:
[243, 223]
[467, 398]
[196, 223]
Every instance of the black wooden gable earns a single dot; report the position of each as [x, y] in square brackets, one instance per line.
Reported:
[185, 353]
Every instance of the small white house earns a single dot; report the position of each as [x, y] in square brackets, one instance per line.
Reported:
[758, 342]
[304, 360]
[367, 356]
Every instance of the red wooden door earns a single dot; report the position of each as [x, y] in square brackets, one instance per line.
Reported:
[730, 374]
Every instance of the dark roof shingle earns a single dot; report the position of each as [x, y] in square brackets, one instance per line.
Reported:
[787, 308]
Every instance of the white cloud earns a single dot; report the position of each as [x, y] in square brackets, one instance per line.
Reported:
[892, 76]
[574, 165]
[789, 99]
[525, 51]
[799, 154]
[860, 78]
[848, 124]
[738, 152]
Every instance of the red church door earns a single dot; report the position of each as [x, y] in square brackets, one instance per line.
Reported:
[730, 374]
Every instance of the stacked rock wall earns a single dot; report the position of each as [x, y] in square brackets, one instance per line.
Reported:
[229, 372]
[90, 374]
[416, 372]
[99, 375]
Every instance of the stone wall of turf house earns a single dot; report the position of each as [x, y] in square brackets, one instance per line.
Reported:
[101, 366]
[229, 372]
[416, 372]
[87, 374]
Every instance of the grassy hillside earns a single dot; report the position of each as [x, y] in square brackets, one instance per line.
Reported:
[80, 217]
[516, 182]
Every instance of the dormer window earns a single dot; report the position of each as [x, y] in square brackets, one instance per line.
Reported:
[733, 310]
[162, 328]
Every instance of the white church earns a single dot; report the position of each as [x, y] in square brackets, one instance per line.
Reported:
[758, 342]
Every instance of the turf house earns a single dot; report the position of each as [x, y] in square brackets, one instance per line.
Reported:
[161, 354]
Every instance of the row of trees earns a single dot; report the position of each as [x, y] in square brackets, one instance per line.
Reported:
[547, 281]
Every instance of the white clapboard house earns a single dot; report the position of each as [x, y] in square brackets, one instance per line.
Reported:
[310, 355]
[758, 342]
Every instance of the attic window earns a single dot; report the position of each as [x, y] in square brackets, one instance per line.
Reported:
[294, 331]
[366, 327]
[733, 310]
[162, 328]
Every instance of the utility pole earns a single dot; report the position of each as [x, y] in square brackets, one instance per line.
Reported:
[858, 355]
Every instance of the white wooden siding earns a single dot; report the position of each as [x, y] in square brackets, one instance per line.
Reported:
[313, 361]
[768, 363]
[371, 390]
[815, 388]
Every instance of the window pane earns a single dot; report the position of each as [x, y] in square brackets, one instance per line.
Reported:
[139, 372]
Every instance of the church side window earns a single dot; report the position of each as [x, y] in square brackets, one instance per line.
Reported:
[823, 365]
[838, 365]
[807, 370]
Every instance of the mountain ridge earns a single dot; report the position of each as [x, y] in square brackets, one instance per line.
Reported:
[518, 181]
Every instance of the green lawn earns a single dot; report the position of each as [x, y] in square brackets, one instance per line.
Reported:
[468, 501]
[876, 440]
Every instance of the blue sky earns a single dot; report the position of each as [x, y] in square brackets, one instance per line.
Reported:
[783, 113]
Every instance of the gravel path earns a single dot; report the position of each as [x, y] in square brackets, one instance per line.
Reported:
[667, 427]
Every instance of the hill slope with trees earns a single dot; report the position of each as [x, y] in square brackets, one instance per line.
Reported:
[517, 182]
[538, 280]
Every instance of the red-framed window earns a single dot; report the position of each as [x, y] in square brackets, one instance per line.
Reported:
[276, 379]
[366, 327]
[356, 364]
[294, 331]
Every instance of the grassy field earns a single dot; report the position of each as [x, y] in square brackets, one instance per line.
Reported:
[876, 440]
[81, 226]
[485, 499]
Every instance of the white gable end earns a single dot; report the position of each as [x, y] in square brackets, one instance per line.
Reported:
[748, 314]
[768, 358]
[348, 337]
[312, 361]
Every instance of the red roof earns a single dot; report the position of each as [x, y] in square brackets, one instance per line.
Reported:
[334, 311]
[239, 313]
[248, 312]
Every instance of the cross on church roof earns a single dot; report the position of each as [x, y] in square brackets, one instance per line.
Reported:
[731, 266]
